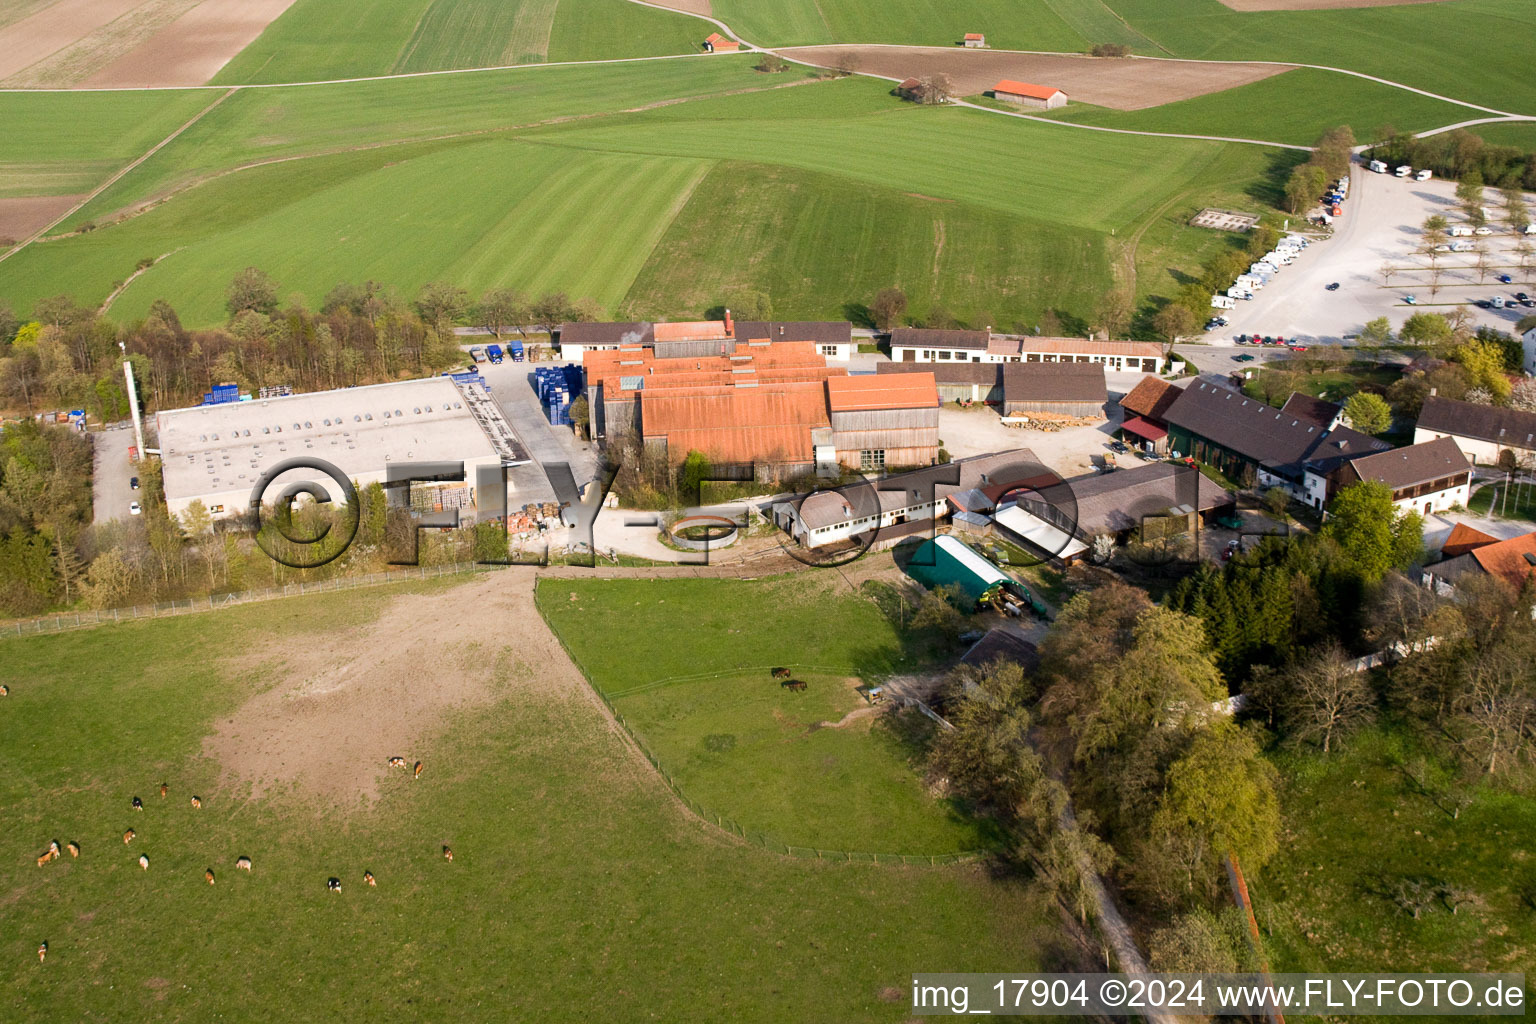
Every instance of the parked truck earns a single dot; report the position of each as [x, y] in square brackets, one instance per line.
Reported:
[515, 349]
[1379, 166]
[493, 352]
[477, 353]
[1424, 174]
[1404, 171]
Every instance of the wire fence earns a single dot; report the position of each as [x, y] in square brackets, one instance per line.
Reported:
[186, 606]
[727, 824]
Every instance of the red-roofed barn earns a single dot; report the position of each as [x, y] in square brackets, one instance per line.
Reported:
[1041, 97]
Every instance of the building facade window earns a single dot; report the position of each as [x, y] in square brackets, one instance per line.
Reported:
[872, 459]
[829, 350]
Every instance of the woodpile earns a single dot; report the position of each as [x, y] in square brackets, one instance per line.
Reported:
[1050, 422]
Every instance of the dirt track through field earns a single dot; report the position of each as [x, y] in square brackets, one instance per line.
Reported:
[194, 47]
[1120, 83]
[332, 709]
[21, 216]
[1318, 5]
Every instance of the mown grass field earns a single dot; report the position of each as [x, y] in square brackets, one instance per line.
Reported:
[62, 143]
[580, 890]
[1008, 24]
[816, 193]
[1356, 826]
[686, 662]
[1296, 107]
[1474, 50]
[316, 40]
[1490, 499]
[936, 250]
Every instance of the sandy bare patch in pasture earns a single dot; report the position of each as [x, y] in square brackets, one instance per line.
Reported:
[1317, 5]
[194, 47]
[53, 28]
[700, 7]
[21, 216]
[333, 709]
[1123, 83]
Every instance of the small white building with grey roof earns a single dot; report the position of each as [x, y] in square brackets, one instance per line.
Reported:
[217, 454]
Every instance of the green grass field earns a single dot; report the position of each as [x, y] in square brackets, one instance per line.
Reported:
[734, 740]
[62, 143]
[1008, 24]
[580, 890]
[819, 241]
[772, 185]
[1490, 499]
[1296, 107]
[1357, 825]
[318, 40]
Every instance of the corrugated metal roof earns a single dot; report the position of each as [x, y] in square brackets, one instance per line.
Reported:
[691, 330]
[882, 391]
[736, 424]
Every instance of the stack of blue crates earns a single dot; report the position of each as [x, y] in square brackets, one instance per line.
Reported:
[222, 394]
[557, 386]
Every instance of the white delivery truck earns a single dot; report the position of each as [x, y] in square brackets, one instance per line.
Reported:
[1379, 166]
[1223, 302]
[1404, 171]
[1424, 175]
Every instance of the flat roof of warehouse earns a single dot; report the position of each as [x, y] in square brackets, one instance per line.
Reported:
[211, 449]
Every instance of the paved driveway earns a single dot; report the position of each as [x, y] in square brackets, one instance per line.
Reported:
[110, 493]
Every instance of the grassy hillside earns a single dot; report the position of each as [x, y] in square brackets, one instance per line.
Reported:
[1475, 50]
[1357, 827]
[320, 39]
[603, 206]
[270, 124]
[1296, 107]
[1008, 24]
[686, 663]
[818, 241]
[62, 143]
[580, 891]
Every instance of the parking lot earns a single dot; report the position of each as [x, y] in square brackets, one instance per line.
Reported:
[1381, 224]
[110, 490]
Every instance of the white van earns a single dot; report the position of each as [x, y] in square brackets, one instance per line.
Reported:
[1379, 166]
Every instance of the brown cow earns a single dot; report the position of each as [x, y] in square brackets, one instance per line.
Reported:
[418, 770]
[144, 861]
[333, 884]
[208, 874]
[42, 951]
[397, 762]
[447, 853]
[5, 691]
[368, 877]
[793, 684]
[128, 836]
[163, 790]
[781, 673]
[74, 849]
[244, 864]
[44, 859]
[53, 848]
[196, 802]
[138, 804]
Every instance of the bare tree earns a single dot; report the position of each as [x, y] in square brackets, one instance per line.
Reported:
[936, 89]
[1328, 698]
[1484, 263]
[1387, 272]
[1498, 707]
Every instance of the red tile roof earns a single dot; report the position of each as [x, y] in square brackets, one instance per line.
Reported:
[1464, 538]
[731, 424]
[1512, 560]
[718, 41]
[882, 391]
[1151, 398]
[1039, 92]
[974, 35]
[1141, 428]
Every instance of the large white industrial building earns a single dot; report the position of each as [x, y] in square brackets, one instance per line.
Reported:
[216, 454]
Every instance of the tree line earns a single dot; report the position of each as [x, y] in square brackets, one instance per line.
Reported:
[68, 356]
[1456, 154]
